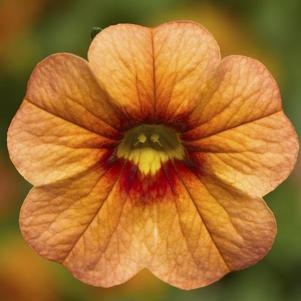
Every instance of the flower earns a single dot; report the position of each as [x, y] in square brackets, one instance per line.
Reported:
[154, 153]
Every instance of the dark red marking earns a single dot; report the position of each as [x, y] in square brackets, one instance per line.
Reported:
[147, 188]
[144, 189]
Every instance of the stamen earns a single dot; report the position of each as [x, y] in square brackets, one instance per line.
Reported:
[150, 146]
[141, 138]
[155, 139]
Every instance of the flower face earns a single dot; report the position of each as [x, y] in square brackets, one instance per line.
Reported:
[154, 153]
[150, 146]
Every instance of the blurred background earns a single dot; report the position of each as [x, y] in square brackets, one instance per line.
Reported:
[30, 30]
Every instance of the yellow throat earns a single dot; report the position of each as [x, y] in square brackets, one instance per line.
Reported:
[149, 146]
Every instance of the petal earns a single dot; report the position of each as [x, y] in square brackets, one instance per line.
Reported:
[159, 72]
[46, 149]
[254, 157]
[89, 225]
[63, 85]
[185, 55]
[59, 130]
[206, 230]
[241, 90]
[122, 60]
[240, 134]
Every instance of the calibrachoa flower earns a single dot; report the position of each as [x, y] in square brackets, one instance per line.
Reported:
[154, 153]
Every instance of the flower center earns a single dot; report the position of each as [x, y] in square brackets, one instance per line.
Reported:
[150, 146]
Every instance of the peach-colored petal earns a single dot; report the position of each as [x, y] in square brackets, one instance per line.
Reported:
[53, 215]
[243, 137]
[206, 230]
[189, 238]
[46, 149]
[185, 55]
[122, 60]
[255, 157]
[241, 90]
[88, 225]
[63, 85]
[161, 71]
[62, 126]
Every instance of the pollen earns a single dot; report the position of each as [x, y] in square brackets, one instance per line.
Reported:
[141, 138]
[155, 138]
[150, 146]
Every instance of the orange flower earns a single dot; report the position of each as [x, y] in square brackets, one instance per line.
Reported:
[153, 153]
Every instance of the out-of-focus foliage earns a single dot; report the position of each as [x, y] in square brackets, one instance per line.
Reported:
[30, 30]
[24, 276]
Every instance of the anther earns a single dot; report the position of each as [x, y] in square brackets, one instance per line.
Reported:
[155, 139]
[141, 139]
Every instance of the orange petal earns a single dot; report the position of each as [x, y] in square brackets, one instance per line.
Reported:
[57, 132]
[89, 225]
[185, 55]
[243, 137]
[63, 85]
[206, 230]
[122, 60]
[241, 90]
[254, 157]
[159, 72]
[46, 149]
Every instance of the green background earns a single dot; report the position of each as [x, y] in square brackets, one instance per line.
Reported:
[30, 30]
